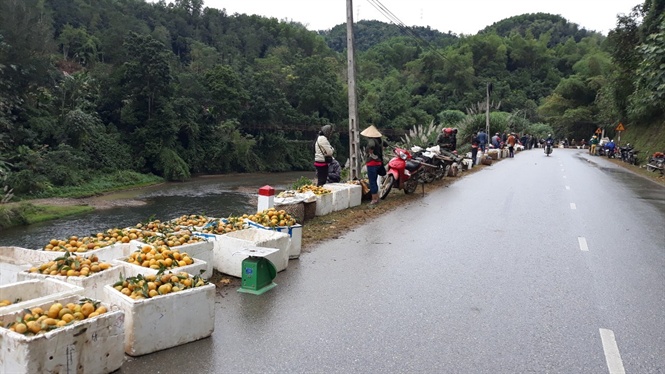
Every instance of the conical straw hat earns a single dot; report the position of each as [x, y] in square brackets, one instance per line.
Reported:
[371, 132]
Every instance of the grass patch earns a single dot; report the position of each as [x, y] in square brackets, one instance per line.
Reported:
[26, 213]
[646, 139]
[49, 212]
[108, 182]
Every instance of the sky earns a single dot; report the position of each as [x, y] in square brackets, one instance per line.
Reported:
[458, 16]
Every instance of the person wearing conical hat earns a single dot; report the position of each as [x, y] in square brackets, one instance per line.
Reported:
[374, 160]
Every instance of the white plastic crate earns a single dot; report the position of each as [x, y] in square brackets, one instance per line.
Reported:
[324, 204]
[295, 236]
[93, 285]
[226, 245]
[355, 195]
[165, 321]
[193, 269]
[33, 291]
[200, 250]
[90, 346]
[11, 263]
[340, 194]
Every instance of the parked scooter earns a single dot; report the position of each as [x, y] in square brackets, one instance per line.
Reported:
[657, 162]
[430, 156]
[402, 172]
[629, 154]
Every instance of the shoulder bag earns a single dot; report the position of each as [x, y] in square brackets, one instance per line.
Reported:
[328, 159]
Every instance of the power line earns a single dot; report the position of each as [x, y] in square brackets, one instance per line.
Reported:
[408, 30]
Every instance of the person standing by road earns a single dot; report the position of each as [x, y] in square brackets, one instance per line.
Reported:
[511, 140]
[594, 144]
[482, 140]
[374, 160]
[475, 143]
[323, 153]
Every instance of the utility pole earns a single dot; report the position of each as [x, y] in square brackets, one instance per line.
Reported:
[487, 111]
[354, 134]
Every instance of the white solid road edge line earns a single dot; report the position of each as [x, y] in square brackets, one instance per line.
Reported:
[583, 245]
[612, 355]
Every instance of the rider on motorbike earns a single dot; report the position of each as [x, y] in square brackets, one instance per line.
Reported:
[610, 146]
[549, 143]
[445, 139]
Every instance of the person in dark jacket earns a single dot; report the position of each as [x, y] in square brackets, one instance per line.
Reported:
[475, 143]
[334, 171]
[445, 139]
[454, 139]
[482, 140]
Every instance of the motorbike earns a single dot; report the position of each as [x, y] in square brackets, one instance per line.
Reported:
[548, 148]
[629, 154]
[657, 162]
[402, 172]
[430, 156]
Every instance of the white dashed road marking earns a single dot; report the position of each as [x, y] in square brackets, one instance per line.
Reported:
[612, 356]
[567, 187]
[583, 245]
[564, 177]
[573, 206]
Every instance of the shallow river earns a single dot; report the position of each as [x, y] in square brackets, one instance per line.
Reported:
[216, 196]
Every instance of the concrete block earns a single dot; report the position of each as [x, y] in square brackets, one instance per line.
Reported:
[91, 346]
[165, 321]
[93, 285]
[35, 291]
[295, 236]
[226, 245]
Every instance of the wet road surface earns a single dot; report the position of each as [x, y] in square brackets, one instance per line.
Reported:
[536, 264]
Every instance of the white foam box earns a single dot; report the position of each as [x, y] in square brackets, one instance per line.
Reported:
[194, 268]
[340, 195]
[32, 291]
[200, 250]
[93, 285]
[108, 253]
[91, 346]
[295, 236]
[165, 321]
[355, 194]
[11, 265]
[228, 244]
[324, 204]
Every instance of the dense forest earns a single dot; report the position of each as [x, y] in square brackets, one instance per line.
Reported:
[98, 88]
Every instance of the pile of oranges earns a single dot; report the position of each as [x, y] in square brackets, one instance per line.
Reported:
[152, 285]
[159, 257]
[71, 266]
[37, 320]
[99, 240]
[226, 225]
[318, 190]
[192, 220]
[175, 239]
[5, 302]
[272, 218]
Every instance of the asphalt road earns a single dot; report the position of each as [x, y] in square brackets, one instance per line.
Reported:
[535, 265]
